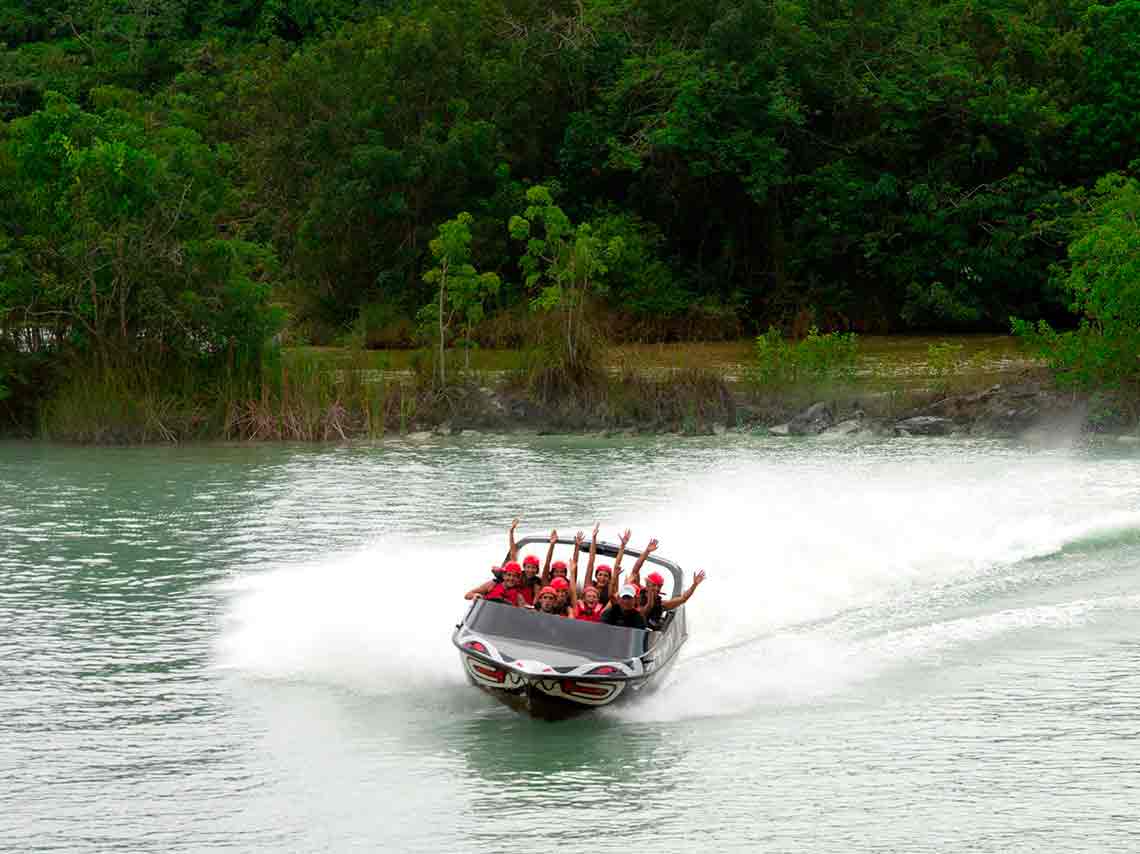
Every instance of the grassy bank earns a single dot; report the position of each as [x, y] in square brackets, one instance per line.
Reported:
[902, 360]
[331, 394]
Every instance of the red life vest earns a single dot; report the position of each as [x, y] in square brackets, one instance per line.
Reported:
[511, 595]
[527, 593]
[590, 615]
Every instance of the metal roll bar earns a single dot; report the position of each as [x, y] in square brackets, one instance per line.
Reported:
[610, 550]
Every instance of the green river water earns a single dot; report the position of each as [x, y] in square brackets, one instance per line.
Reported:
[902, 646]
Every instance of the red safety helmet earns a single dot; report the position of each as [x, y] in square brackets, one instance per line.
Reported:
[512, 566]
[655, 578]
[559, 583]
[530, 560]
[558, 564]
[606, 568]
[547, 589]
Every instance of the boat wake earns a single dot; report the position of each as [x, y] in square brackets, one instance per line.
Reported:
[821, 579]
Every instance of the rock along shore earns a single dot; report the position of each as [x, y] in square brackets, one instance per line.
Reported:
[1028, 405]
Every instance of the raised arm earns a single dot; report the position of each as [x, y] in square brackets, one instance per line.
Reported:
[480, 591]
[549, 555]
[574, 574]
[624, 540]
[512, 549]
[593, 554]
[670, 604]
[635, 573]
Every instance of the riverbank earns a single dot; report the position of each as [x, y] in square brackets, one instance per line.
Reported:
[905, 386]
[706, 404]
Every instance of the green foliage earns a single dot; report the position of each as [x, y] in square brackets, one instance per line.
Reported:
[1103, 279]
[461, 290]
[816, 360]
[112, 253]
[1106, 124]
[563, 265]
[118, 237]
[381, 325]
[639, 282]
[944, 361]
[722, 167]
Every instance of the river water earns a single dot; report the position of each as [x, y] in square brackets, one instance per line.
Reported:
[902, 645]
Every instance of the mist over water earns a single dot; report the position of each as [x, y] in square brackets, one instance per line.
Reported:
[903, 645]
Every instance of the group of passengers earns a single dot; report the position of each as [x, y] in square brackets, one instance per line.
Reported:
[600, 599]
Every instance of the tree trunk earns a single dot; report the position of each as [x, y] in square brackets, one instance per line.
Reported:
[570, 333]
[442, 286]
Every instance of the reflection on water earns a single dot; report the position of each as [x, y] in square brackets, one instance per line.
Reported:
[563, 784]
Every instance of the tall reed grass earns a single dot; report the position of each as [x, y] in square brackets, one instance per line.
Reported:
[292, 400]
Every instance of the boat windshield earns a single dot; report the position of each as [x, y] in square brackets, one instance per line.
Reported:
[594, 641]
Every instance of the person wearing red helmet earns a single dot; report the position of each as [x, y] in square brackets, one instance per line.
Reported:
[510, 589]
[607, 577]
[561, 587]
[653, 607]
[547, 602]
[530, 581]
[589, 608]
[485, 588]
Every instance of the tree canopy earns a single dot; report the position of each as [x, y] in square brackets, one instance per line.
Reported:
[178, 175]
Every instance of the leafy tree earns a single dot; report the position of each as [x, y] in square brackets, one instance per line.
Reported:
[562, 265]
[460, 289]
[1106, 123]
[388, 148]
[899, 164]
[1103, 279]
[639, 281]
[113, 241]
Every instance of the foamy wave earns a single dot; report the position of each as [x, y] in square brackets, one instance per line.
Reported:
[809, 667]
[791, 545]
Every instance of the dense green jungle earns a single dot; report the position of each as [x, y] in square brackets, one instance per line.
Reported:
[193, 190]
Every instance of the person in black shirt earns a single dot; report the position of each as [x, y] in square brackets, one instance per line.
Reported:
[623, 611]
[653, 607]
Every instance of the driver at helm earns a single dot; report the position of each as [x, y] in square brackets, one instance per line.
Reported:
[623, 611]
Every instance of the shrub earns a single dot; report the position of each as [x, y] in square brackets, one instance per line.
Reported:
[944, 360]
[815, 360]
[1103, 278]
[383, 325]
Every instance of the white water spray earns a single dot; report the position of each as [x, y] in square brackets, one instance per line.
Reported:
[793, 545]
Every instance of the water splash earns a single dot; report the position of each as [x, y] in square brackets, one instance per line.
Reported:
[824, 569]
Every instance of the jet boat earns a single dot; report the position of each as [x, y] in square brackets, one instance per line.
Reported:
[553, 667]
